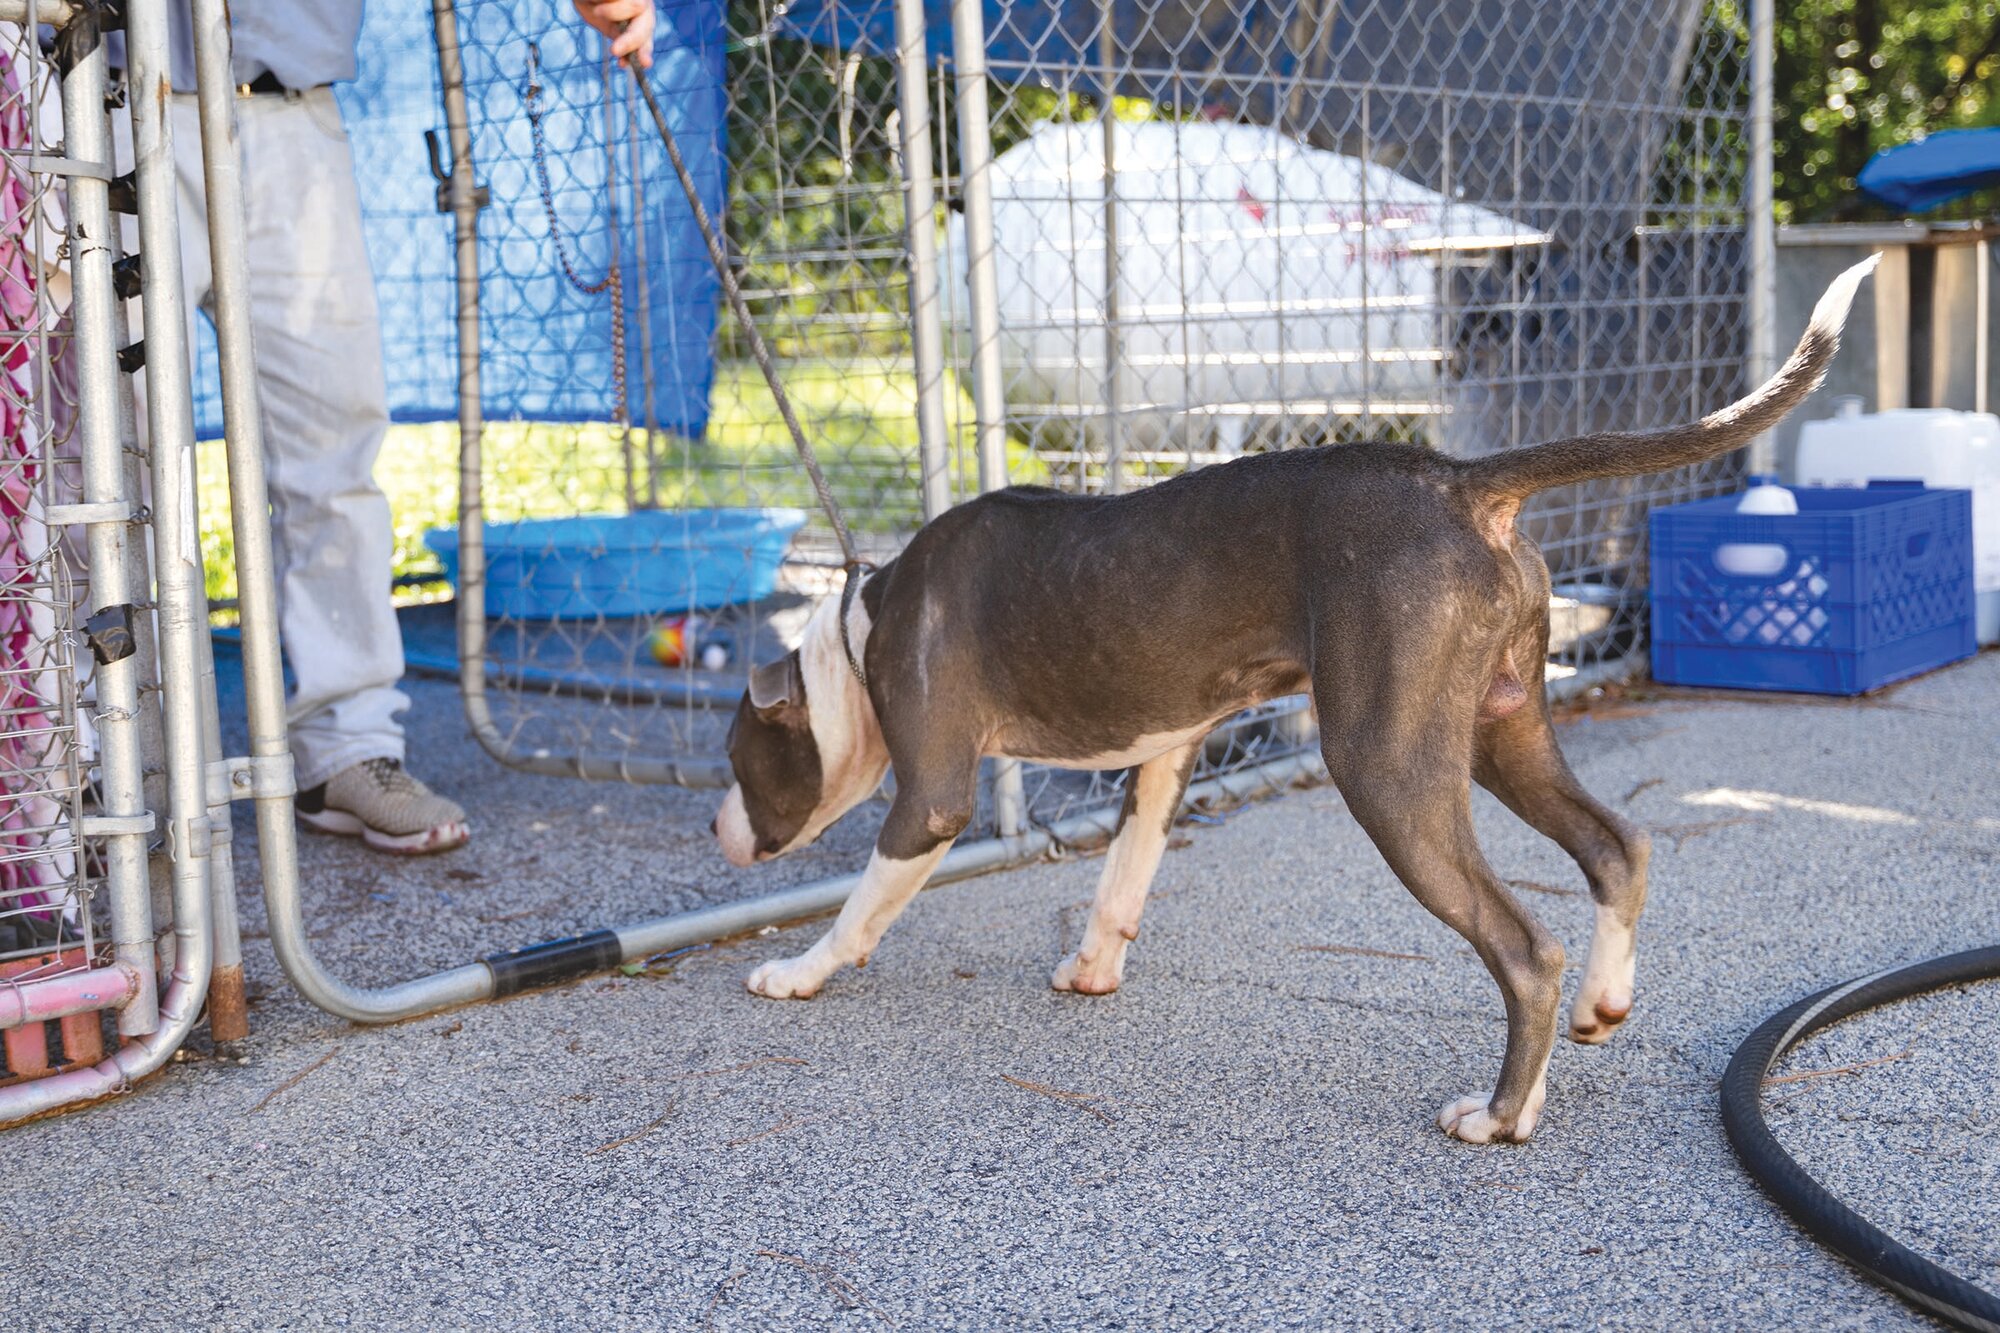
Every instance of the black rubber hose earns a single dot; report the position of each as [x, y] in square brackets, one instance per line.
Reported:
[1825, 1218]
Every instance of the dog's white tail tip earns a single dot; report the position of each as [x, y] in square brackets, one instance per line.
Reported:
[1831, 312]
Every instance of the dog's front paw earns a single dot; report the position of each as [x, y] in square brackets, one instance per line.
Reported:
[787, 978]
[1470, 1120]
[1093, 977]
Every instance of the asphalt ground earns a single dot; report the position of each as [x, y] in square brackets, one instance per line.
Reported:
[1242, 1137]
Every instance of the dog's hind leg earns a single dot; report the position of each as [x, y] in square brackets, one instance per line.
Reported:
[1153, 794]
[927, 814]
[1517, 759]
[1401, 757]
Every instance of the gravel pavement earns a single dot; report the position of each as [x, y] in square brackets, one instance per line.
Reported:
[1242, 1137]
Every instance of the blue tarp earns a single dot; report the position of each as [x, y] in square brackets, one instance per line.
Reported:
[1948, 165]
[546, 348]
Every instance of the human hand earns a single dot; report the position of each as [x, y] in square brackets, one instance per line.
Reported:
[629, 25]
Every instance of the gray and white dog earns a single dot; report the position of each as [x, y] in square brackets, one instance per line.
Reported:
[1387, 581]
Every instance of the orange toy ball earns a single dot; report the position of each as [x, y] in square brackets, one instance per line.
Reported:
[669, 642]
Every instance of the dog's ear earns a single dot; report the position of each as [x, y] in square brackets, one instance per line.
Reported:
[778, 685]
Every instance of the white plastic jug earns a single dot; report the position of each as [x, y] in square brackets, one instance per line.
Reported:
[1758, 559]
[1937, 446]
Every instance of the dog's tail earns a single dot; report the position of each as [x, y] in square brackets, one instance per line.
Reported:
[1510, 477]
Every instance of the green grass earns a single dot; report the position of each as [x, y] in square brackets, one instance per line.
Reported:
[860, 416]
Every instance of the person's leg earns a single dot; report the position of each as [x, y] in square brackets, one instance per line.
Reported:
[324, 406]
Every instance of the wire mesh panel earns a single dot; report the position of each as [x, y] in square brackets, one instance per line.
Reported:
[1215, 231]
[1471, 226]
[649, 533]
[47, 925]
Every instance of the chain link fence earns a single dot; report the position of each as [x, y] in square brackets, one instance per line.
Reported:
[47, 923]
[1206, 232]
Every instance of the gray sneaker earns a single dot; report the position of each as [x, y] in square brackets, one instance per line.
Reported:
[380, 803]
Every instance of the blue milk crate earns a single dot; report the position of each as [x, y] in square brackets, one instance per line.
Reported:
[1875, 585]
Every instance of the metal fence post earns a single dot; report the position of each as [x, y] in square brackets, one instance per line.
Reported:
[989, 386]
[182, 604]
[920, 215]
[269, 776]
[94, 317]
[1114, 425]
[1762, 221]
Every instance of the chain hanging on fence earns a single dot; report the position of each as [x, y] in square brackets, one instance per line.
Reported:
[613, 280]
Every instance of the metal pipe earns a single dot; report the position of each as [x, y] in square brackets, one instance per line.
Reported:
[228, 1005]
[959, 863]
[982, 277]
[462, 193]
[913, 100]
[701, 771]
[1114, 425]
[81, 992]
[228, 246]
[1762, 221]
[476, 981]
[982, 281]
[94, 319]
[182, 605]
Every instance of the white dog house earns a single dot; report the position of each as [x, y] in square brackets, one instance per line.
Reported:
[1257, 280]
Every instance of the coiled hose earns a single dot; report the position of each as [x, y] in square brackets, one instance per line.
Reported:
[1824, 1217]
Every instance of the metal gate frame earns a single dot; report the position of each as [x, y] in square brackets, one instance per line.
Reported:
[152, 1019]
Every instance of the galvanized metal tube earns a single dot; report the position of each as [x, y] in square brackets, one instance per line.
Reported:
[1762, 222]
[94, 319]
[182, 606]
[476, 982]
[462, 192]
[250, 524]
[982, 281]
[963, 862]
[81, 992]
[228, 1007]
[276, 830]
[920, 226]
[1114, 423]
[274, 813]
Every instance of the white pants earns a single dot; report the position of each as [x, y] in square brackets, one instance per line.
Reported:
[318, 348]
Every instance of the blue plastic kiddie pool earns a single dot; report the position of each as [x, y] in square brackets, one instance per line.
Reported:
[654, 562]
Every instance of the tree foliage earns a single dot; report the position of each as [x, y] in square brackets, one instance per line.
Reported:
[1853, 77]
